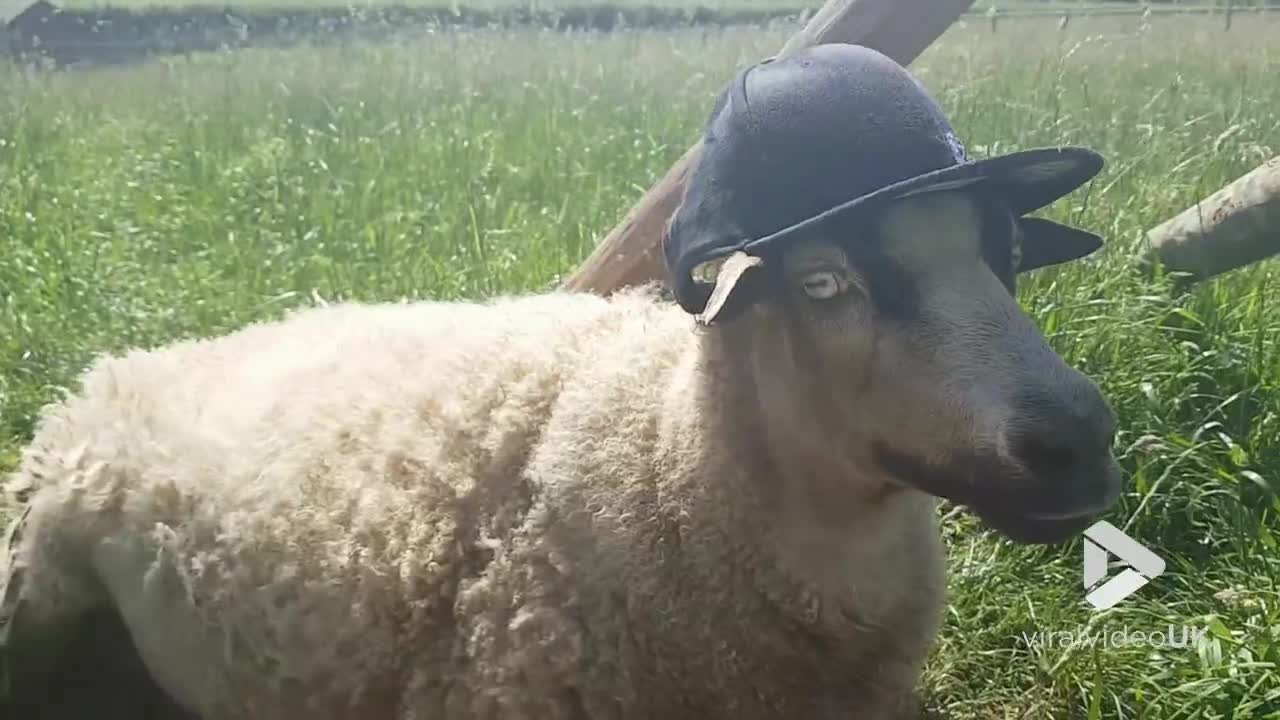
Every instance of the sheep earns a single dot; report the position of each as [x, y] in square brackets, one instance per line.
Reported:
[564, 506]
[554, 505]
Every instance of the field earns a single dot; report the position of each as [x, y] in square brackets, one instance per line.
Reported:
[188, 197]
[735, 4]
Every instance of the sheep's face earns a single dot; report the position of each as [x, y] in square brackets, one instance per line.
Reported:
[905, 346]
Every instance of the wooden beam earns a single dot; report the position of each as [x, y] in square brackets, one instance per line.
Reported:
[902, 29]
[1235, 226]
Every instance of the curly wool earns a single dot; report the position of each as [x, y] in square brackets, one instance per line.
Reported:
[536, 507]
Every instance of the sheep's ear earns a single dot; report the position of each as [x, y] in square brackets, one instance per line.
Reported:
[729, 278]
[1045, 243]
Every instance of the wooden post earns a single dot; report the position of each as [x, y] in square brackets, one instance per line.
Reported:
[1230, 6]
[632, 254]
[1235, 226]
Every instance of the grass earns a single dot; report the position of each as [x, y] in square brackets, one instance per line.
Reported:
[978, 5]
[183, 198]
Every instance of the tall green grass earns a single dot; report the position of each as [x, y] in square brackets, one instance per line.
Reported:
[183, 198]
[979, 5]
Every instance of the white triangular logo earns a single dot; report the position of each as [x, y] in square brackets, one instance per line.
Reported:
[1103, 540]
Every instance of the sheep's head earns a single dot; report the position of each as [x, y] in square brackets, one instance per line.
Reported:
[899, 347]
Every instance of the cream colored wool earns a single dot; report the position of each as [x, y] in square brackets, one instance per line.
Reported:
[556, 506]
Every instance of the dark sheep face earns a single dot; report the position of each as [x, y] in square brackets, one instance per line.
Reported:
[902, 340]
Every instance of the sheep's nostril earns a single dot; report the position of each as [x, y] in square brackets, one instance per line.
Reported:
[1061, 434]
[1046, 455]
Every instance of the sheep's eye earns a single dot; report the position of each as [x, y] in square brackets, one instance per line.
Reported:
[822, 285]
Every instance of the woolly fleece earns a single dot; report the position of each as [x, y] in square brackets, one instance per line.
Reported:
[553, 506]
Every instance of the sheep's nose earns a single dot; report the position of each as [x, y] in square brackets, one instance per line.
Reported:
[1063, 440]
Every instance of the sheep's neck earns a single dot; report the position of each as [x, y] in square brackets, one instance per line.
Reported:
[818, 525]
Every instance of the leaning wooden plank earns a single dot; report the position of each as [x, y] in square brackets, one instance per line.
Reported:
[1233, 227]
[902, 29]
